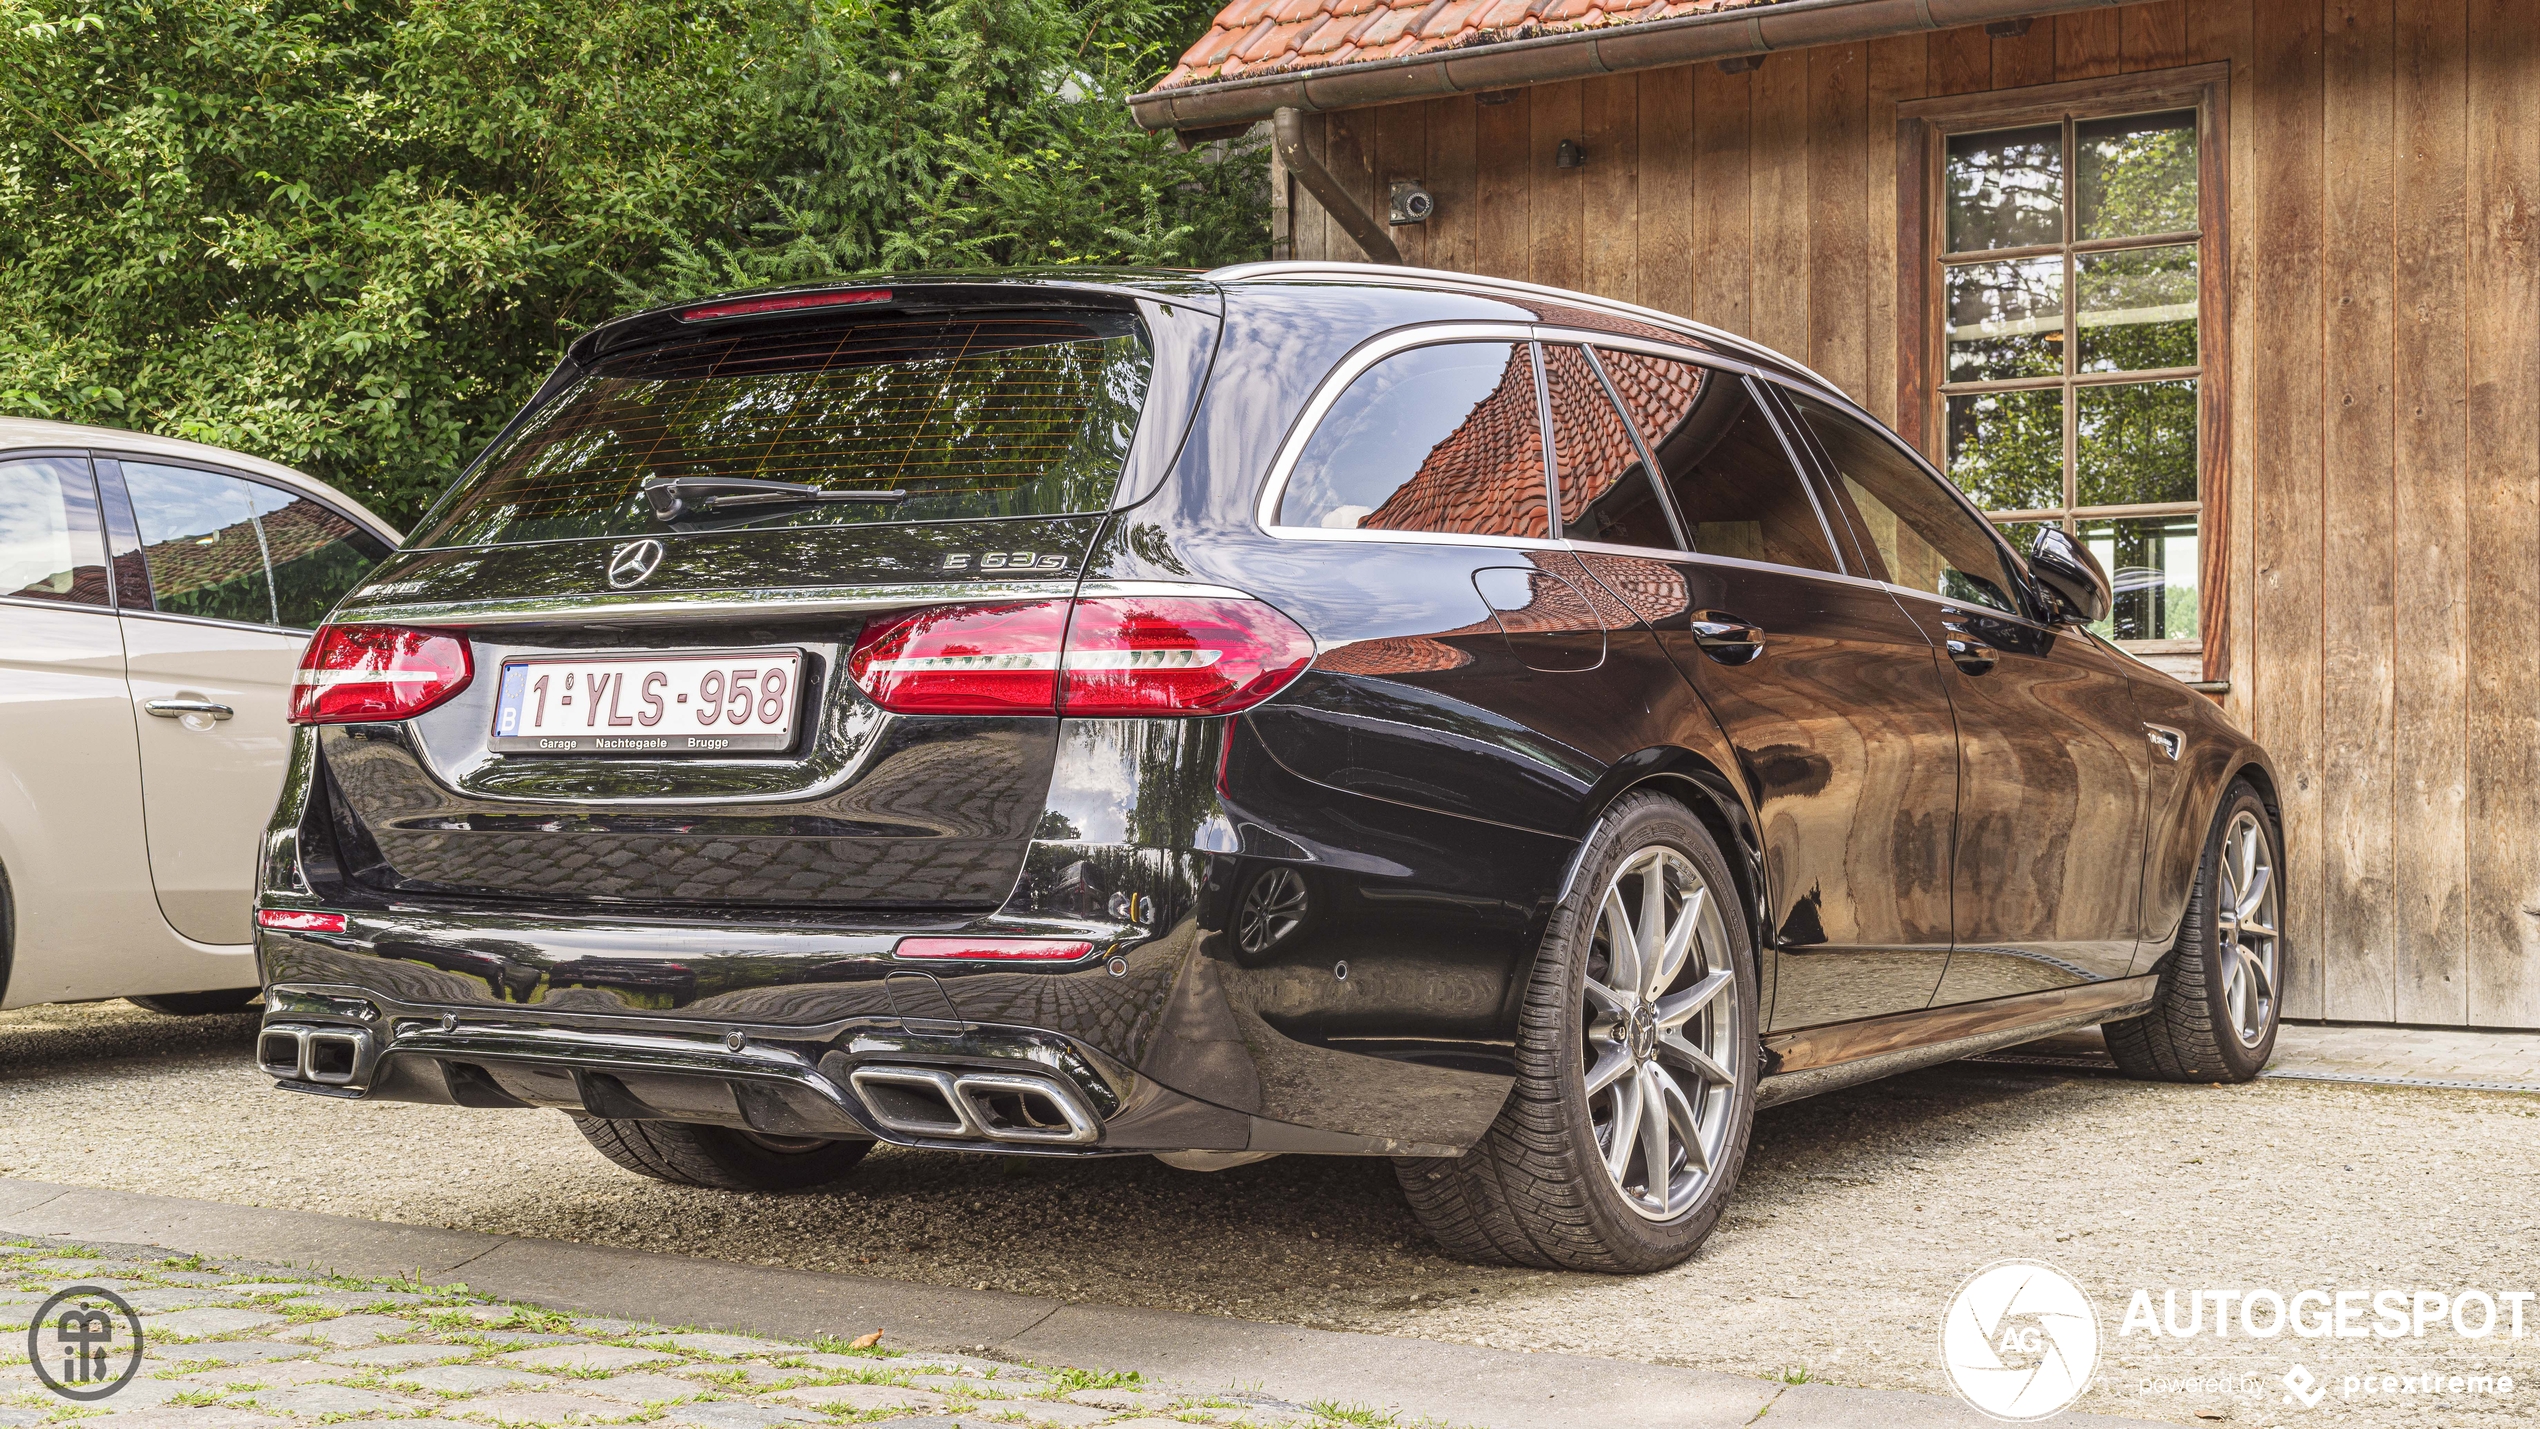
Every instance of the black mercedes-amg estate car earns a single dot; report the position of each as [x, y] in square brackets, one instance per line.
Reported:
[1297, 709]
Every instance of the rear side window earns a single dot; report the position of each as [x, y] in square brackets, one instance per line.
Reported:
[225, 548]
[49, 547]
[1444, 438]
[1606, 490]
[1722, 460]
[1007, 414]
[198, 534]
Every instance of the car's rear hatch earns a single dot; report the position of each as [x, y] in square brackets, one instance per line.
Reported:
[660, 711]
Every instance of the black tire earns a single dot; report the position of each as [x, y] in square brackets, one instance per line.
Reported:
[198, 1004]
[1535, 1189]
[2194, 1032]
[718, 1157]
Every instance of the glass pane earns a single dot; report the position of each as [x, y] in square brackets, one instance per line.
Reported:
[2006, 449]
[198, 532]
[1439, 438]
[1922, 536]
[1017, 414]
[2022, 534]
[2137, 175]
[2006, 320]
[2152, 562]
[2138, 309]
[1606, 493]
[49, 548]
[2006, 188]
[2136, 443]
[316, 555]
[1723, 461]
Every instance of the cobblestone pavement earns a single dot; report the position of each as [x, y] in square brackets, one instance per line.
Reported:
[247, 1346]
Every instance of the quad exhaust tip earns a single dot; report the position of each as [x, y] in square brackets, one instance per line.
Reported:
[1014, 1107]
[326, 1056]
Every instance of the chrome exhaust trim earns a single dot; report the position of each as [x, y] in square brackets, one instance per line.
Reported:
[322, 1056]
[976, 1106]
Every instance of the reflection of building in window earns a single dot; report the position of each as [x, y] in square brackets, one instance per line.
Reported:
[1486, 477]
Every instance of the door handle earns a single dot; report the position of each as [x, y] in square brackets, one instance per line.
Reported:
[172, 709]
[1725, 637]
[1967, 652]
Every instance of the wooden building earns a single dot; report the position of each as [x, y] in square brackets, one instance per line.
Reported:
[2296, 383]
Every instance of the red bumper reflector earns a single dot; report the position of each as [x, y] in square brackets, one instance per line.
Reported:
[299, 920]
[780, 303]
[993, 950]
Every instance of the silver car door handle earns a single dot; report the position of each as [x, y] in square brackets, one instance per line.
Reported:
[172, 709]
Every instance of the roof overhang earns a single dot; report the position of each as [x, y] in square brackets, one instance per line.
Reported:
[1573, 54]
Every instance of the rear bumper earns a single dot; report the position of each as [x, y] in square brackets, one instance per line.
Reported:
[955, 1086]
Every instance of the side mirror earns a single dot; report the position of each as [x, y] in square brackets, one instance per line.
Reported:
[2073, 577]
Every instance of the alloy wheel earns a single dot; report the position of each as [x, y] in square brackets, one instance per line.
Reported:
[2246, 917]
[1661, 1033]
[1273, 907]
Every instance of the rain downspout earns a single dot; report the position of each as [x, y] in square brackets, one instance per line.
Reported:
[1288, 134]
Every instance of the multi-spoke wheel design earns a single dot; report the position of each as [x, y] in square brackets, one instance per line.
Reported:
[1659, 1037]
[2245, 916]
[1274, 906]
[2221, 987]
[1636, 1063]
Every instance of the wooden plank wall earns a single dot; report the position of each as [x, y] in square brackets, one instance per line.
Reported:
[2385, 594]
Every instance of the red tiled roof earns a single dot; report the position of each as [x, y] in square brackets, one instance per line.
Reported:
[1254, 37]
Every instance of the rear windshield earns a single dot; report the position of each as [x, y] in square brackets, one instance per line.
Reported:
[1005, 414]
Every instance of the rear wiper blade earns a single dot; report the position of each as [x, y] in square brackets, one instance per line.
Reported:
[674, 497]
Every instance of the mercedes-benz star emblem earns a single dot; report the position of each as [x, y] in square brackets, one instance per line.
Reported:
[634, 563]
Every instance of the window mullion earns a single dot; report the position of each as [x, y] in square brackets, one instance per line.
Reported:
[2072, 321]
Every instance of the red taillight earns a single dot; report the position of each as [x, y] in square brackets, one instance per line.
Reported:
[963, 659]
[377, 672]
[299, 920]
[779, 303]
[1177, 656]
[1114, 656]
[994, 950]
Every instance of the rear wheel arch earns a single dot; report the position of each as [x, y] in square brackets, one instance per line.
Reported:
[1700, 785]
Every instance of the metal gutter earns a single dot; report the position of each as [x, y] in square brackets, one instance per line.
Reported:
[1753, 29]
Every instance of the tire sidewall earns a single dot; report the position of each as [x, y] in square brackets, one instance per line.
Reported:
[2240, 1063]
[1641, 822]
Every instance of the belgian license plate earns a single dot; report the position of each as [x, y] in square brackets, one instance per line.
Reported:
[716, 703]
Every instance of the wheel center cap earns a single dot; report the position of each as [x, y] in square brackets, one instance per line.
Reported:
[1644, 1032]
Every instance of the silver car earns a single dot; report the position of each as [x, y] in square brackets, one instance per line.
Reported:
[154, 599]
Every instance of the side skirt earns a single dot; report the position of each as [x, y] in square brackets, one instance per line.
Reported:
[1824, 1059]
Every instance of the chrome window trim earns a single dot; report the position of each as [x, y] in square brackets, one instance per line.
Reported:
[33, 604]
[174, 617]
[1739, 563]
[1336, 382]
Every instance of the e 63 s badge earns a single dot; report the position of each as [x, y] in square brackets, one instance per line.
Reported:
[1003, 561]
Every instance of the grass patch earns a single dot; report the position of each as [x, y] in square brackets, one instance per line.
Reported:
[1067, 1379]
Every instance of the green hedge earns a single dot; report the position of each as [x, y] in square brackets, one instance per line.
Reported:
[351, 235]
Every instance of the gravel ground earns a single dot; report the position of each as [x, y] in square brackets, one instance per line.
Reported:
[1860, 1215]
